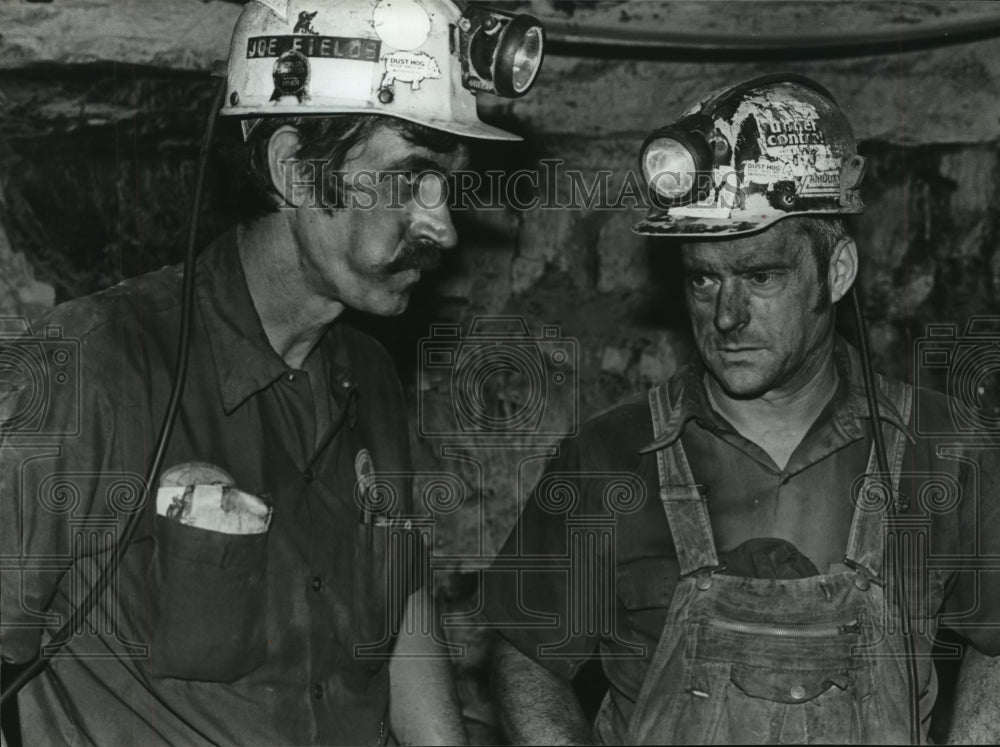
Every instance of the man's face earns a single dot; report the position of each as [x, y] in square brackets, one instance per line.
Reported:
[753, 304]
[368, 255]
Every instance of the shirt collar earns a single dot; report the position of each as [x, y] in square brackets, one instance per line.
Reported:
[848, 407]
[857, 399]
[245, 362]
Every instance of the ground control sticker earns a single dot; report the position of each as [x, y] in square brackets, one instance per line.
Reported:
[791, 148]
[402, 24]
[409, 67]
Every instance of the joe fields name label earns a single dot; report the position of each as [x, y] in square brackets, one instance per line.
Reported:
[337, 47]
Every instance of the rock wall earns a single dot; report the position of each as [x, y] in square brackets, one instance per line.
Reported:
[101, 108]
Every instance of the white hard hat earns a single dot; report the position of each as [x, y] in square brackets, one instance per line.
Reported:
[417, 60]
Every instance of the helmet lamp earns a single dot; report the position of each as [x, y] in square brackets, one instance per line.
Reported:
[501, 53]
[749, 155]
[671, 160]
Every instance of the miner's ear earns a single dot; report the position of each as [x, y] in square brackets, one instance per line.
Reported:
[282, 163]
[843, 268]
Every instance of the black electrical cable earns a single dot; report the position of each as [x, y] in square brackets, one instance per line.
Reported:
[567, 35]
[898, 572]
[65, 633]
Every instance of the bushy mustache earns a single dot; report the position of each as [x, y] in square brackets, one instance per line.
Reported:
[421, 254]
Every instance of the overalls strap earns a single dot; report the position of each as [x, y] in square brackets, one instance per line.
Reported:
[682, 500]
[865, 545]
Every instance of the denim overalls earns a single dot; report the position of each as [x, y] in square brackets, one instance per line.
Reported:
[750, 660]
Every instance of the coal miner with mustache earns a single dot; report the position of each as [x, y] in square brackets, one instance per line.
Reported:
[750, 586]
[269, 588]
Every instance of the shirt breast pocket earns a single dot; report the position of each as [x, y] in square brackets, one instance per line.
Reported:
[208, 603]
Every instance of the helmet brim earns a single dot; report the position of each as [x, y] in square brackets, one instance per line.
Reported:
[478, 130]
[701, 227]
[704, 227]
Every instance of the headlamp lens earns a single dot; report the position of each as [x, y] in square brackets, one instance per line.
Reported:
[527, 60]
[669, 167]
[500, 53]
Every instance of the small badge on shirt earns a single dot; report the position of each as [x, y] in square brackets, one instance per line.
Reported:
[205, 496]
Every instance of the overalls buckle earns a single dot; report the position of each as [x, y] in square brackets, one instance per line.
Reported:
[864, 578]
[703, 575]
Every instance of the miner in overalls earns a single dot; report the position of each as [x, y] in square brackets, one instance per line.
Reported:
[765, 511]
[268, 593]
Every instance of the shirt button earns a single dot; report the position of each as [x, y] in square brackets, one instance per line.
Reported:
[798, 692]
[308, 475]
[318, 692]
[291, 377]
[317, 583]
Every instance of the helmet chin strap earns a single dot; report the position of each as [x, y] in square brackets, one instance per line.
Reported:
[898, 573]
[248, 126]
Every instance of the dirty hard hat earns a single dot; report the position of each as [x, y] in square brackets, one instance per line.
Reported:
[418, 60]
[748, 156]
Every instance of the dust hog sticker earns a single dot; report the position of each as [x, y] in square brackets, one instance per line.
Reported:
[763, 172]
[409, 67]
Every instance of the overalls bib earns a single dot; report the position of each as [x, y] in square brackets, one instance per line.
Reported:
[747, 660]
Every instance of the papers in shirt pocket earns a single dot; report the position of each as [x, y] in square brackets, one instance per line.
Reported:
[217, 508]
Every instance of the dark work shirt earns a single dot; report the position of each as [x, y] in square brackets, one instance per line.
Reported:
[203, 636]
[590, 567]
